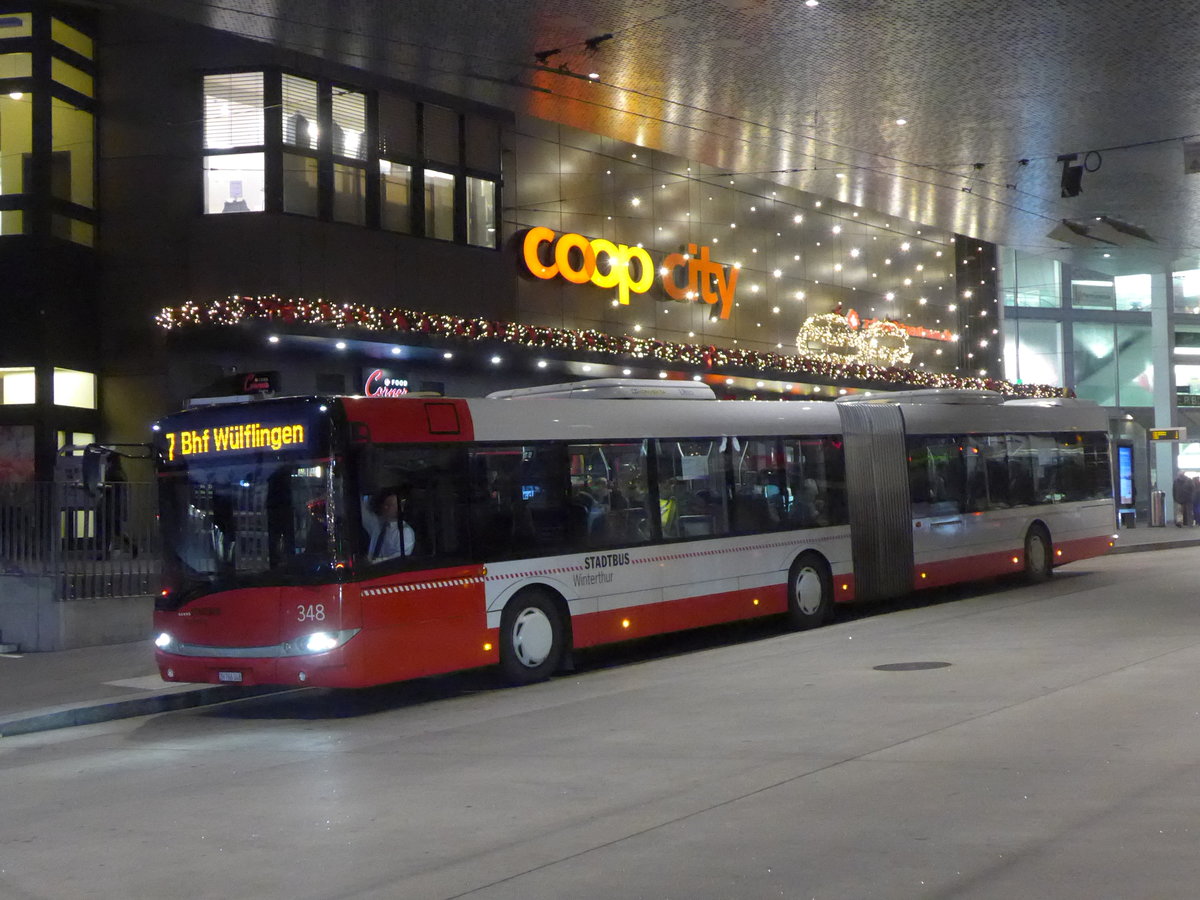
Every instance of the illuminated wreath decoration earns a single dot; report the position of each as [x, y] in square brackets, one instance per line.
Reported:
[876, 343]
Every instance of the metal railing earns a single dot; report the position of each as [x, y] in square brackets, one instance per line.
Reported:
[102, 546]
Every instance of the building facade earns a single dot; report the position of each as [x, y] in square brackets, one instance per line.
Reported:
[185, 213]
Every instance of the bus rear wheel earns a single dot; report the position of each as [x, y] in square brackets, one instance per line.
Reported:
[1038, 559]
[532, 639]
[810, 591]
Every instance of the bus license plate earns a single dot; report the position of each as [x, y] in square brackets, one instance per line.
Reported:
[229, 676]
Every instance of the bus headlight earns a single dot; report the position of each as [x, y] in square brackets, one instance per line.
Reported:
[323, 641]
[319, 642]
[163, 641]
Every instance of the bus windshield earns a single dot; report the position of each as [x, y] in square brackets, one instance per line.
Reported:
[259, 521]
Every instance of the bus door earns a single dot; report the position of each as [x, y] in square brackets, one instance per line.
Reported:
[881, 536]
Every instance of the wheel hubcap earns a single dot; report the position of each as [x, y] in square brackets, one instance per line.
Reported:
[808, 591]
[533, 637]
[1037, 553]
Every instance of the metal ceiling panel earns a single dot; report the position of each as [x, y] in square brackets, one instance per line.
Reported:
[992, 93]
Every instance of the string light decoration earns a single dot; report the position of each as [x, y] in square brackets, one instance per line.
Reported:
[878, 342]
[235, 311]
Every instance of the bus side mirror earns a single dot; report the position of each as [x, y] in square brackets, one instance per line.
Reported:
[94, 457]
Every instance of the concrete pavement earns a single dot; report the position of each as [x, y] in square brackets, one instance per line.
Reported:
[42, 691]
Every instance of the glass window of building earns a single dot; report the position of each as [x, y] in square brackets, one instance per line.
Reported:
[69, 76]
[1033, 352]
[72, 160]
[16, 65]
[441, 134]
[299, 111]
[74, 230]
[1095, 362]
[234, 119]
[233, 110]
[481, 212]
[481, 143]
[299, 184]
[349, 124]
[15, 25]
[1132, 291]
[395, 189]
[74, 388]
[349, 194]
[1187, 366]
[398, 128]
[71, 38]
[18, 385]
[1135, 372]
[1092, 291]
[1186, 290]
[12, 221]
[234, 182]
[439, 205]
[1028, 280]
[16, 140]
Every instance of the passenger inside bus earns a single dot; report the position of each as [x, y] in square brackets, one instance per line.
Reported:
[389, 535]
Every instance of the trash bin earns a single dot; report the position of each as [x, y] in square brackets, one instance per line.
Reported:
[1158, 509]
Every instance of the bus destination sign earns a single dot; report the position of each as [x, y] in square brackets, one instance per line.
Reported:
[228, 439]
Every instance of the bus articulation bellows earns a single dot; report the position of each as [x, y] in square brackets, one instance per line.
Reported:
[351, 541]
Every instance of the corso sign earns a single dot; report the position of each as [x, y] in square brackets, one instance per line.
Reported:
[578, 259]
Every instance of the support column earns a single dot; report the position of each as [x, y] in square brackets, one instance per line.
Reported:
[1166, 410]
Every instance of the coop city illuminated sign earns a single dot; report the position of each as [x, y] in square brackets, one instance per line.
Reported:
[577, 259]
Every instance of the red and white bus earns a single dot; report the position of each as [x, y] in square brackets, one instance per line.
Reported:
[537, 521]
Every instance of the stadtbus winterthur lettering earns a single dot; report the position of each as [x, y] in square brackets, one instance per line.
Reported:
[233, 439]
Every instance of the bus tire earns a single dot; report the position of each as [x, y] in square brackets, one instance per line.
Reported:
[1039, 560]
[810, 591]
[532, 637]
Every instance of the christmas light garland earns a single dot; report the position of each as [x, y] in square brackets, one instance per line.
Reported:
[235, 311]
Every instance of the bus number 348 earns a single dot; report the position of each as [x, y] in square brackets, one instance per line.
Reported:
[314, 612]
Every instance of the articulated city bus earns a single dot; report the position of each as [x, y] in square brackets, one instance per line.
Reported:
[352, 541]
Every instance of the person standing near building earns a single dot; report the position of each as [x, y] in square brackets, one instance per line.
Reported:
[1184, 492]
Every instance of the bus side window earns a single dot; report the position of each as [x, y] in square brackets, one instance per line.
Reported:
[1020, 469]
[429, 483]
[976, 498]
[692, 492]
[518, 500]
[936, 477]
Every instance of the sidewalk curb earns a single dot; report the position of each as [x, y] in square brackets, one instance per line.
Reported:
[126, 707]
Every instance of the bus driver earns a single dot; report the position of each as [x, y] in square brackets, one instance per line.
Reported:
[381, 518]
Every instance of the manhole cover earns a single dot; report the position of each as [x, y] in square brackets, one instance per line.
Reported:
[910, 666]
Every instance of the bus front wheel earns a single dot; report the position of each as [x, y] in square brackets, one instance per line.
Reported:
[1038, 559]
[531, 638]
[810, 591]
